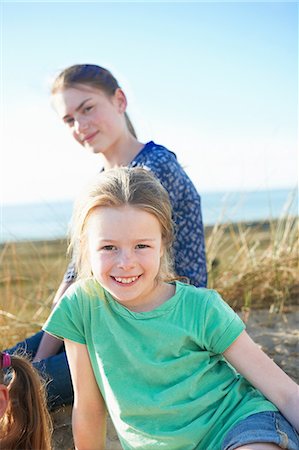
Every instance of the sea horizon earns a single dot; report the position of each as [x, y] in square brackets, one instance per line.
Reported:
[50, 219]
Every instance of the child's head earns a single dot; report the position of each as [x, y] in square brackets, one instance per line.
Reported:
[24, 419]
[126, 191]
[71, 91]
[86, 75]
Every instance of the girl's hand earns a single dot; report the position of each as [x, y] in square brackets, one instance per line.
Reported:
[262, 372]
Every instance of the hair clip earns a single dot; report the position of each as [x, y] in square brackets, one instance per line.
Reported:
[6, 360]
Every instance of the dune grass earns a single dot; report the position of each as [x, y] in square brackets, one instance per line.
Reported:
[30, 273]
[255, 266]
[252, 265]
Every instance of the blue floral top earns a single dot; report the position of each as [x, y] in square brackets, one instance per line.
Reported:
[189, 245]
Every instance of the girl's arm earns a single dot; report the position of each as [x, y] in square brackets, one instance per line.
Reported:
[50, 345]
[262, 372]
[89, 411]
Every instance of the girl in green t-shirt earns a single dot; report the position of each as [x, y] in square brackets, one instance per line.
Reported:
[172, 363]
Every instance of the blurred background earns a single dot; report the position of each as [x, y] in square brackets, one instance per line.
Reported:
[216, 82]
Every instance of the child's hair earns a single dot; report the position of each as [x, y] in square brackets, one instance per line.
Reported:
[26, 423]
[89, 75]
[122, 186]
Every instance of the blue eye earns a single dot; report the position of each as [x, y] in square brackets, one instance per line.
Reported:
[109, 247]
[142, 246]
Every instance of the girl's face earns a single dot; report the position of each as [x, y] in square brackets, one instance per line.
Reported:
[96, 120]
[125, 247]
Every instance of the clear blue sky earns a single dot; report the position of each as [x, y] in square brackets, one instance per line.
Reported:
[215, 82]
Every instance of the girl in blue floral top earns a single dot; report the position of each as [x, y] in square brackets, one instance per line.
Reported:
[93, 106]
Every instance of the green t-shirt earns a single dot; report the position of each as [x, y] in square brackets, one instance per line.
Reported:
[161, 373]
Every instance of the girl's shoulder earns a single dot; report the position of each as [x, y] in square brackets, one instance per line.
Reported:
[164, 164]
[193, 291]
[208, 301]
[217, 323]
[152, 152]
[198, 295]
[82, 290]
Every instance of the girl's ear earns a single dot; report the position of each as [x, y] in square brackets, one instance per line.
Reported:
[4, 398]
[120, 100]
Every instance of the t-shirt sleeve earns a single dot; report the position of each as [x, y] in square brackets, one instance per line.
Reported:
[221, 325]
[66, 320]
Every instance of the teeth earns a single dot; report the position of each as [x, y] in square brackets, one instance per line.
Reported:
[126, 280]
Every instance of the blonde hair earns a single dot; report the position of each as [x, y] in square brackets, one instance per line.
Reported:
[26, 423]
[136, 187]
[91, 75]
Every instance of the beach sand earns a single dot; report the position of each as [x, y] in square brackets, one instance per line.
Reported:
[278, 336]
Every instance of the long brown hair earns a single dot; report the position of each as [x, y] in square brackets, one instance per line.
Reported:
[26, 424]
[89, 75]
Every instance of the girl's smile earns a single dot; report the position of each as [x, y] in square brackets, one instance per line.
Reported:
[125, 247]
[126, 281]
[89, 138]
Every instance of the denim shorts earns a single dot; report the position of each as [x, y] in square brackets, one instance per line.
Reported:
[270, 427]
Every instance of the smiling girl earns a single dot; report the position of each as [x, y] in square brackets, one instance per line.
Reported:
[89, 100]
[91, 103]
[172, 363]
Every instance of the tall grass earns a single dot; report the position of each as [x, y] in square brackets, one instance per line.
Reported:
[251, 265]
[255, 266]
[30, 273]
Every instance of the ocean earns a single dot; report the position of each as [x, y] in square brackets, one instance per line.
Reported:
[49, 220]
